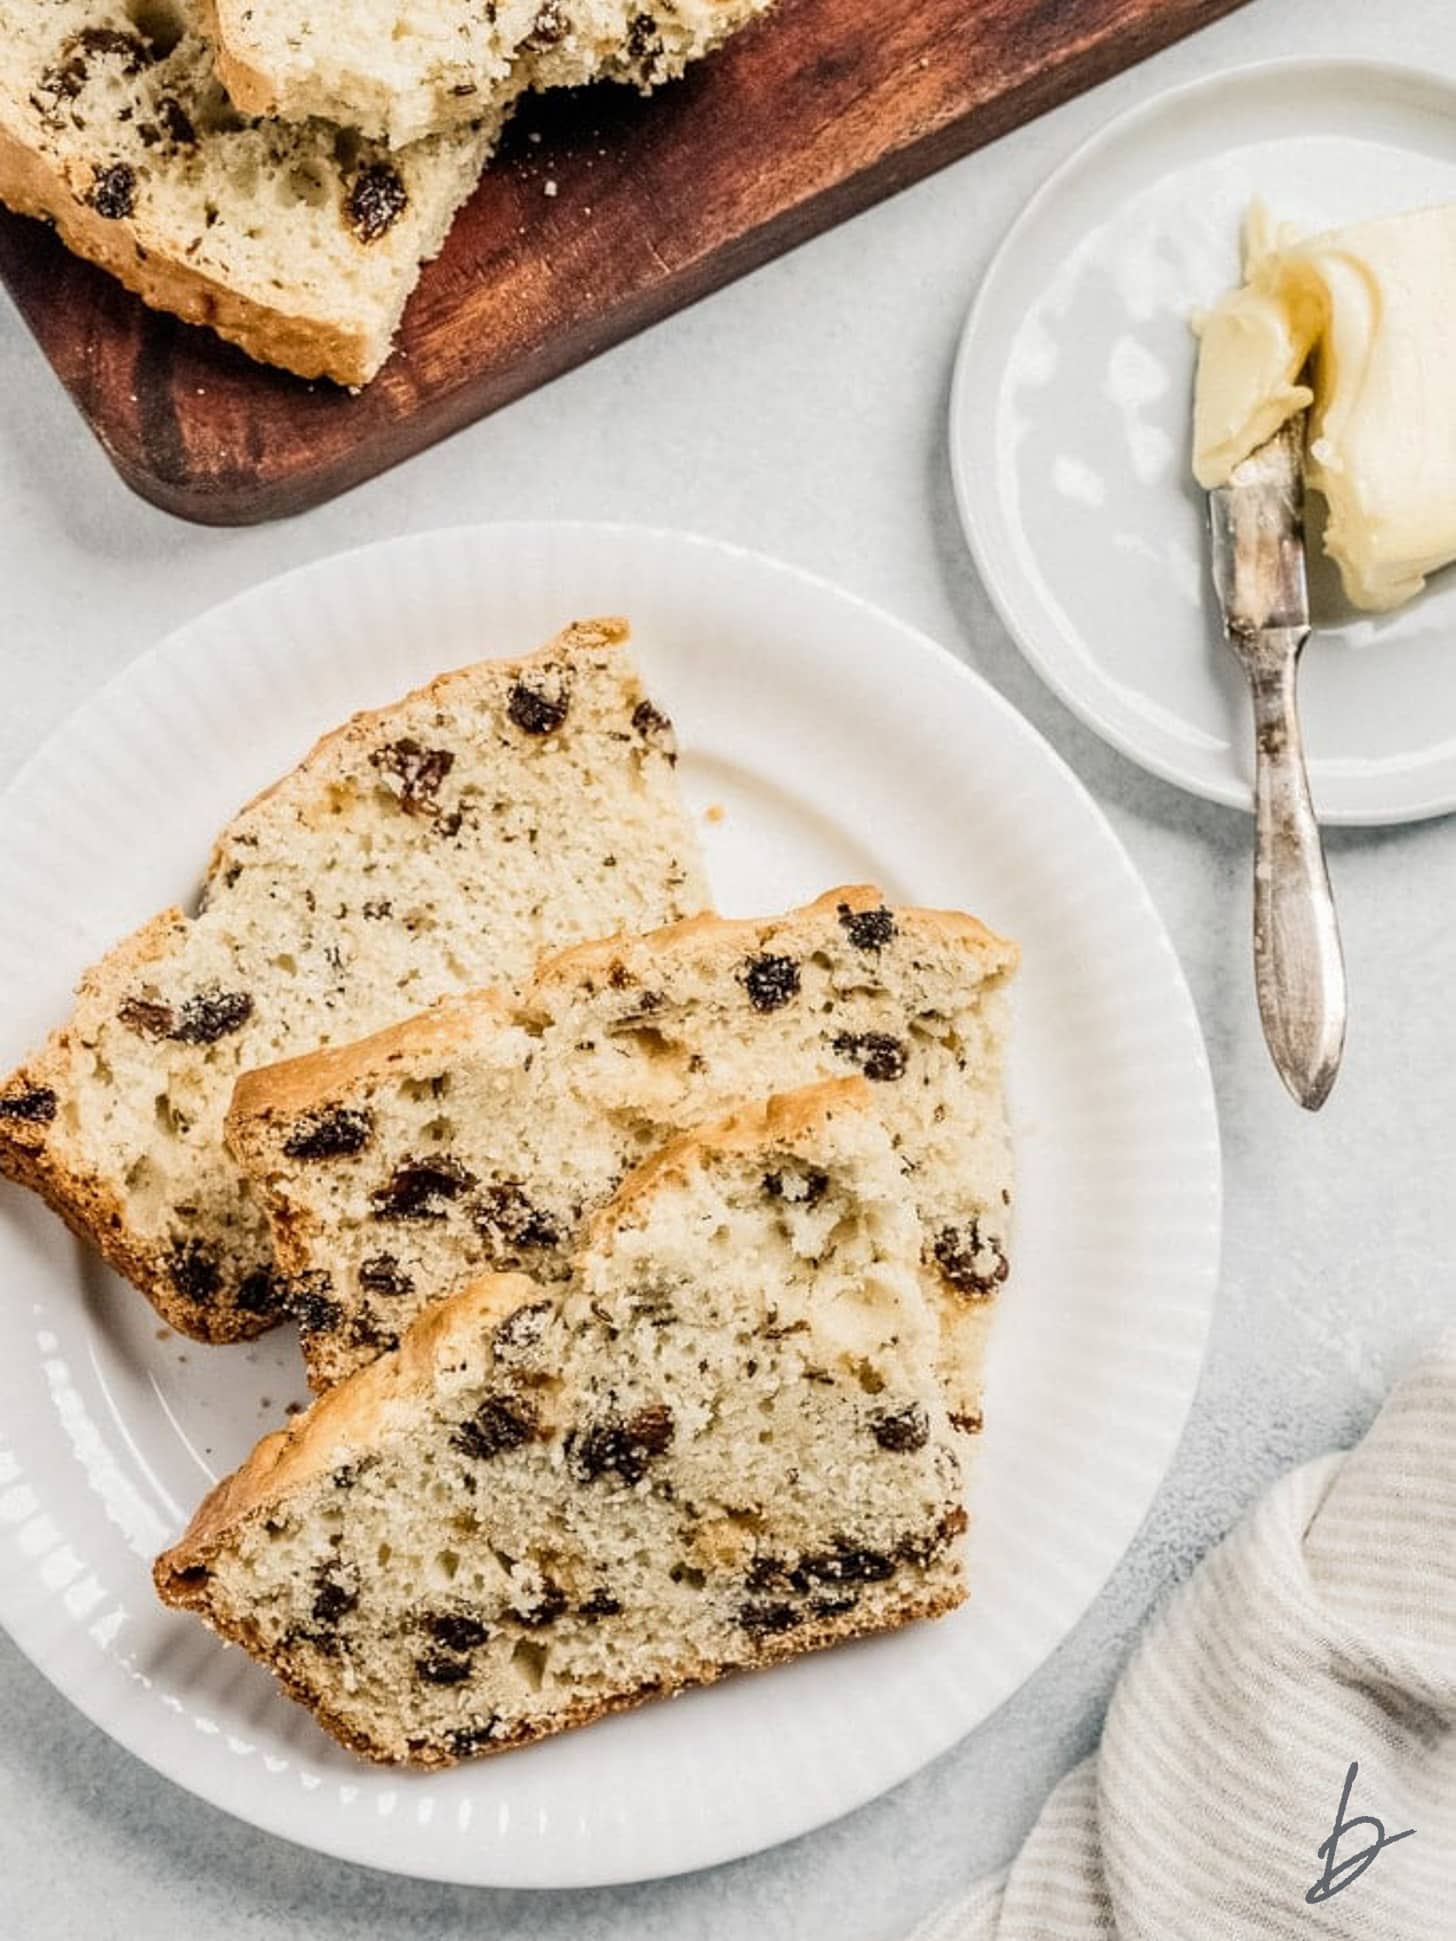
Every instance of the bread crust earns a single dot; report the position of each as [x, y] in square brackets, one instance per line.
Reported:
[785, 1120]
[310, 347]
[567, 966]
[812, 1635]
[402, 108]
[249, 89]
[85, 1202]
[294, 1084]
[267, 1101]
[349, 1418]
[326, 753]
[925, 1602]
[358, 1408]
[90, 1207]
[337, 1425]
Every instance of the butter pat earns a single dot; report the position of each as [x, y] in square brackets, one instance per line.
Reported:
[1372, 311]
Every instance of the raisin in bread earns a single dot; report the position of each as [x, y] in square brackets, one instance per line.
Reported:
[719, 1444]
[481, 1134]
[299, 242]
[440, 843]
[402, 72]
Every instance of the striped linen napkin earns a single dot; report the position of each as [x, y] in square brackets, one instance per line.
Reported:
[1279, 1758]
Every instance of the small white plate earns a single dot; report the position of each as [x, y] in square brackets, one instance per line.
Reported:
[1070, 433]
[842, 747]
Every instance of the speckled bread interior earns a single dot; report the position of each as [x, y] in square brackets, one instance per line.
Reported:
[484, 1133]
[441, 843]
[401, 71]
[718, 1443]
[299, 241]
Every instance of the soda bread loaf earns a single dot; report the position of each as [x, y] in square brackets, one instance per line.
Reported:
[402, 72]
[719, 1444]
[443, 842]
[298, 242]
[484, 1132]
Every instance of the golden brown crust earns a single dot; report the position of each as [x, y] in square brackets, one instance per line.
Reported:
[334, 746]
[96, 1218]
[359, 1408]
[352, 1417]
[296, 1084]
[926, 1602]
[308, 346]
[249, 89]
[337, 1426]
[293, 1083]
[780, 1121]
[584, 961]
[815, 1635]
[89, 1207]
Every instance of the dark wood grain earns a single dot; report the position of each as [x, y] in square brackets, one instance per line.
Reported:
[819, 110]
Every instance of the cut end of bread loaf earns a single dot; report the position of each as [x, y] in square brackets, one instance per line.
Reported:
[490, 1130]
[440, 843]
[720, 1443]
[402, 73]
[300, 243]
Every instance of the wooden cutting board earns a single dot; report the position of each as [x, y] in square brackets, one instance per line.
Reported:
[815, 112]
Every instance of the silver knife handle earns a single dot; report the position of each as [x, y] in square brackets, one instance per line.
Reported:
[1299, 967]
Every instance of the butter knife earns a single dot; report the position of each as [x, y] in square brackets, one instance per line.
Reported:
[1257, 527]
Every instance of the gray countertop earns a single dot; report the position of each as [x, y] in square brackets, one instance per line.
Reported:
[802, 412]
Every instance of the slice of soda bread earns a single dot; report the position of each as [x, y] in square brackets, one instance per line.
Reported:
[298, 241]
[482, 1133]
[400, 72]
[444, 842]
[719, 1444]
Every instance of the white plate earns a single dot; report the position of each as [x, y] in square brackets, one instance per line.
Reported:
[843, 747]
[1070, 433]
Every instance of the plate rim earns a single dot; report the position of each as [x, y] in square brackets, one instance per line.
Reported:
[106, 1708]
[976, 516]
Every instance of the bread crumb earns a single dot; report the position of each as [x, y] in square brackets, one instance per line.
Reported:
[551, 186]
[715, 812]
